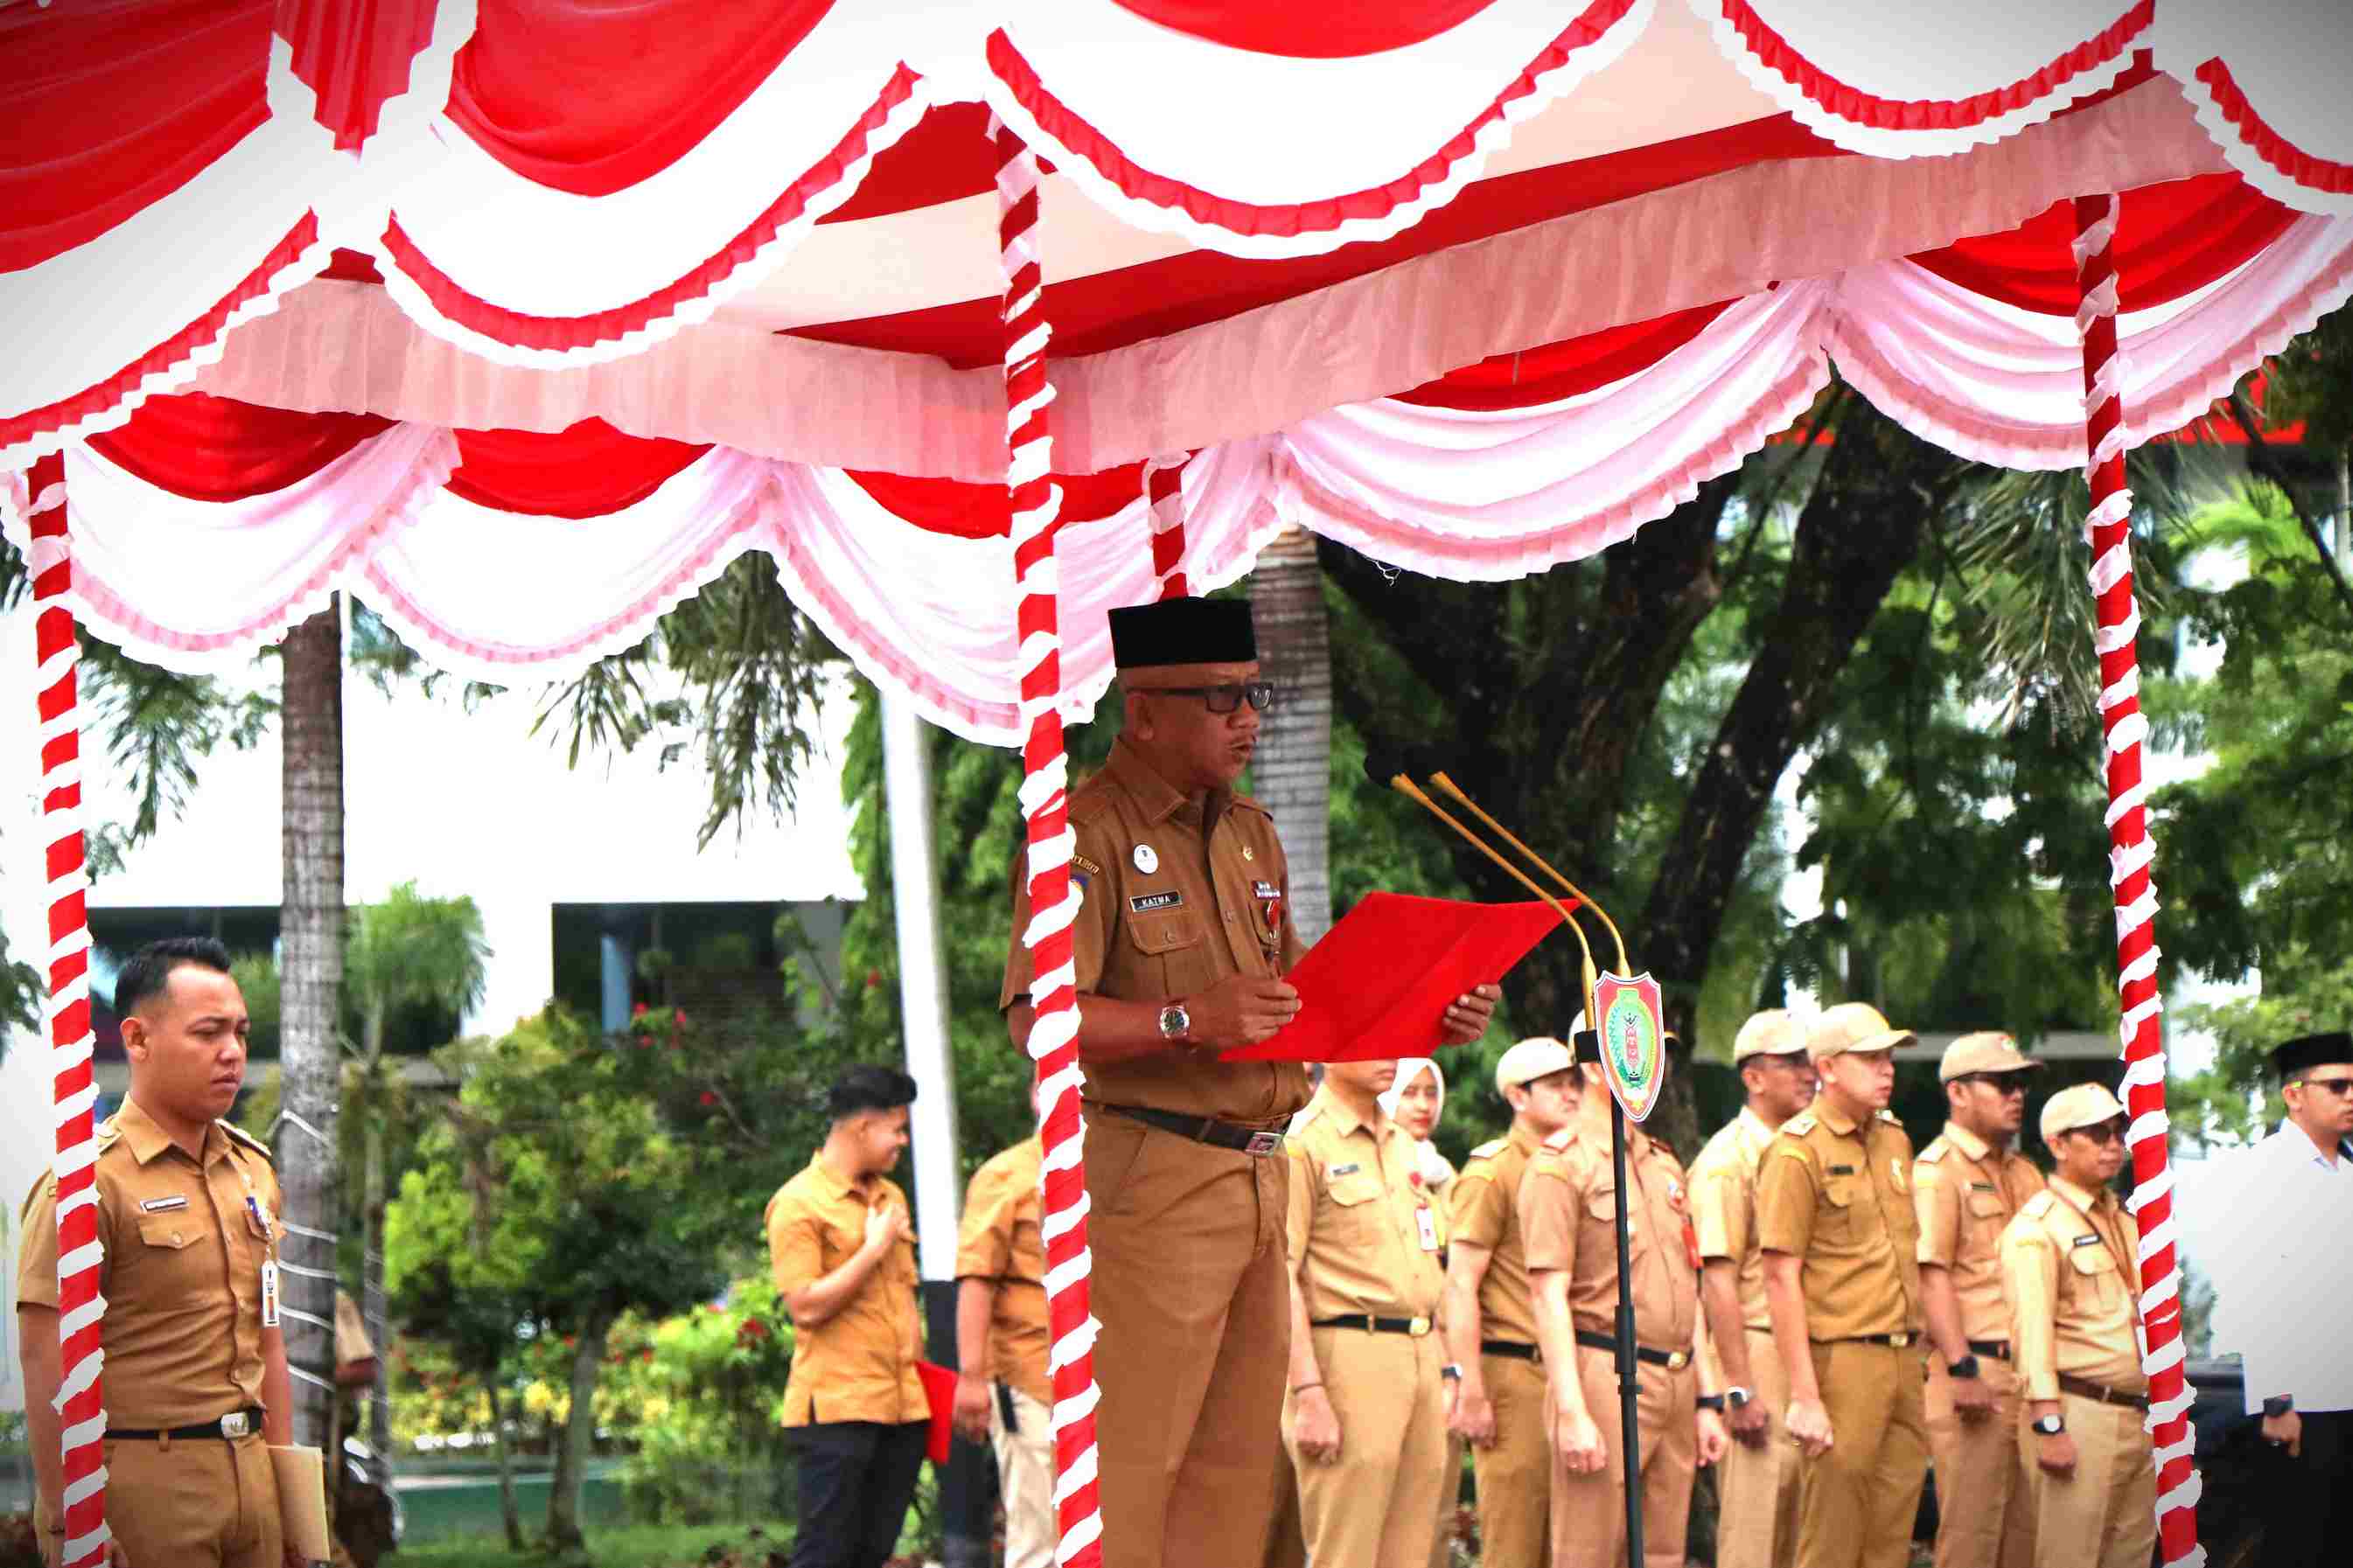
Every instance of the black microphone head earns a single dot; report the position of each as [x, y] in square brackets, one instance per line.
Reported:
[1385, 762]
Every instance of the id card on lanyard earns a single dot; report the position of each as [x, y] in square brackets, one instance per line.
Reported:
[259, 1213]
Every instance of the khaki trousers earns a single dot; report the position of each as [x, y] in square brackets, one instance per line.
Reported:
[2105, 1514]
[1515, 1474]
[1856, 1503]
[1194, 1296]
[1025, 1480]
[1756, 1521]
[1372, 1508]
[1589, 1513]
[197, 1503]
[1449, 1498]
[1983, 1520]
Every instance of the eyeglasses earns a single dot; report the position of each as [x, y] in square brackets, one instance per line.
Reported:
[1787, 1061]
[2104, 1133]
[2337, 1086]
[1226, 699]
[2002, 1083]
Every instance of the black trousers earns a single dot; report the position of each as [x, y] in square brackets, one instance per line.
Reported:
[2307, 1521]
[857, 1479]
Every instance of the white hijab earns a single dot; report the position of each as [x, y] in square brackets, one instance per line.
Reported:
[1436, 1171]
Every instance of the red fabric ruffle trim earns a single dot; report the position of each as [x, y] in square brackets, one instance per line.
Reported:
[2312, 172]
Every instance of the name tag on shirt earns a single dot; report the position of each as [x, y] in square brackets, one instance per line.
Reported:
[1144, 903]
[1334, 1173]
[2085, 1241]
[162, 1205]
[269, 1295]
[1428, 1229]
[1841, 1170]
[1982, 1187]
[1265, 890]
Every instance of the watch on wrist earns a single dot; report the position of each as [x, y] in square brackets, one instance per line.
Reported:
[1737, 1397]
[2275, 1408]
[2050, 1425]
[1712, 1402]
[1451, 1372]
[1175, 1022]
[1967, 1367]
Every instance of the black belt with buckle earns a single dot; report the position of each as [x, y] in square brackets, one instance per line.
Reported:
[1896, 1340]
[2084, 1388]
[1417, 1326]
[1674, 1360]
[1997, 1349]
[234, 1425]
[1258, 1141]
[1513, 1348]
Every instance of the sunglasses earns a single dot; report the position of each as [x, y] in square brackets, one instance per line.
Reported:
[2002, 1083]
[1226, 699]
[2104, 1133]
[2336, 1086]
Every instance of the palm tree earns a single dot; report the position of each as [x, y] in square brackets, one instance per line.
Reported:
[408, 950]
[1293, 772]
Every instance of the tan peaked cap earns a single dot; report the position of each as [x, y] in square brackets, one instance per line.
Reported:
[2078, 1105]
[1988, 1050]
[1775, 1032]
[1538, 1057]
[1853, 1026]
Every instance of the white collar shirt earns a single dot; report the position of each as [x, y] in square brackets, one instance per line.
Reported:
[2286, 1272]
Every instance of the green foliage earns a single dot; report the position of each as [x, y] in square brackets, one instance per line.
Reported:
[2304, 993]
[703, 1399]
[416, 952]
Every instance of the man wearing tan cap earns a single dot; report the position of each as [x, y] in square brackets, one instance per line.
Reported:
[1968, 1184]
[1841, 1241]
[2069, 1268]
[1491, 1324]
[1757, 1518]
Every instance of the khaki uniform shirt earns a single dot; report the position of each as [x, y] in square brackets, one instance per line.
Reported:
[1568, 1216]
[181, 1272]
[2069, 1271]
[1724, 1206]
[859, 1364]
[1363, 1237]
[1485, 1204]
[1215, 903]
[999, 1241]
[1838, 1194]
[1965, 1190]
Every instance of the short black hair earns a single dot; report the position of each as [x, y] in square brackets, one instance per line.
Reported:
[151, 967]
[868, 1087]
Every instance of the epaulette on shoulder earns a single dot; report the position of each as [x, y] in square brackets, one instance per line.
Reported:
[1306, 1116]
[1797, 1126]
[1560, 1140]
[2038, 1205]
[1934, 1152]
[1491, 1148]
[108, 1131]
[240, 1135]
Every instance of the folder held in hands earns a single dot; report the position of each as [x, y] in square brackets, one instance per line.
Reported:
[1379, 983]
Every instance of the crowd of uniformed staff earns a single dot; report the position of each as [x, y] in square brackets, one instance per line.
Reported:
[1305, 1316]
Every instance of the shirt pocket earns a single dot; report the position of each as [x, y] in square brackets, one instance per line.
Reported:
[2096, 1278]
[177, 1254]
[1839, 1221]
[1170, 950]
[1356, 1208]
[1601, 1208]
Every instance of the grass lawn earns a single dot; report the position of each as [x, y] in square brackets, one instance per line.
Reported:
[626, 1546]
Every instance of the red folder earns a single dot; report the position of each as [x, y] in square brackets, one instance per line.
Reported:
[1379, 983]
[939, 1393]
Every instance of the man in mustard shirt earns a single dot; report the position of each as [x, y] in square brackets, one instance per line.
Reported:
[1841, 1239]
[1756, 1522]
[1967, 1185]
[1003, 1397]
[1491, 1321]
[2070, 1267]
[1366, 1414]
[842, 1252]
[195, 1378]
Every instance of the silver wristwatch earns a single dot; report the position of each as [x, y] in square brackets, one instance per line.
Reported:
[1175, 1021]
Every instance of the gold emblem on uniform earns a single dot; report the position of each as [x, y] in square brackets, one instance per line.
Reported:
[1249, 853]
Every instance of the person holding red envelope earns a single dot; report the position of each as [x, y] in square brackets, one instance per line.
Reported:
[1183, 936]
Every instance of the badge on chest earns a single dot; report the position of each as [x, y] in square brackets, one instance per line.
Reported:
[1429, 1227]
[1269, 911]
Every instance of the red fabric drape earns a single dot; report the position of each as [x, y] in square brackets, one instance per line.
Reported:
[592, 96]
[586, 470]
[111, 107]
[354, 54]
[1330, 30]
[1555, 371]
[217, 449]
[981, 512]
[2171, 239]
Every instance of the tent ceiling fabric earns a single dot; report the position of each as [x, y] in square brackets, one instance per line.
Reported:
[196, 163]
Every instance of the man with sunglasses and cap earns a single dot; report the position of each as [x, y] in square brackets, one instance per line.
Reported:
[1968, 1184]
[1756, 1522]
[1182, 938]
[2283, 1275]
[2070, 1268]
[1841, 1240]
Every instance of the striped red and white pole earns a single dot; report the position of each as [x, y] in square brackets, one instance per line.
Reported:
[80, 1309]
[1037, 503]
[1164, 492]
[2130, 853]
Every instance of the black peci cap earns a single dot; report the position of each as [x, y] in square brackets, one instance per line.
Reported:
[1183, 631]
[2295, 1056]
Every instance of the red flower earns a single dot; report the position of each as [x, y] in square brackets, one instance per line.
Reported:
[873, 978]
[709, 1098]
[644, 1041]
[640, 1011]
[679, 1017]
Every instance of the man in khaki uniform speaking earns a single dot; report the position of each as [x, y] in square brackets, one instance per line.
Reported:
[2070, 1267]
[1967, 1185]
[1004, 1398]
[187, 1223]
[1568, 1217]
[1366, 1412]
[1491, 1323]
[1756, 1522]
[1842, 1242]
[1182, 937]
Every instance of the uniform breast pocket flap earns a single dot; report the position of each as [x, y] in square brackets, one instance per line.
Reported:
[1355, 1189]
[2094, 1264]
[1163, 932]
[170, 1236]
[1836, 1218]
[1986, 1206]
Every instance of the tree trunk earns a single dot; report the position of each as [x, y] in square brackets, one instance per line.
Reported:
[372, 1302]
[312, 929]
[510, 1515]
[579, 1427]
[1291, 773]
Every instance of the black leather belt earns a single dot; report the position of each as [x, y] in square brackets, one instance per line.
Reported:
[1674, 1361]
[1997, 1349]
[234, 1425]
[1417, 1326]
[1257, 1140]
[1512, 1348]
[1897, 1340]
[2084, 1388]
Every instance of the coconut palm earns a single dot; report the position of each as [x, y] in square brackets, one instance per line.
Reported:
[1291, 774]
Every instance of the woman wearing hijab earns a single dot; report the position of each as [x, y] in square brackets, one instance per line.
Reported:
[1414, 1102]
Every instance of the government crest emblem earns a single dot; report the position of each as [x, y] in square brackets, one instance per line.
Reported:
[1629, 1016]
